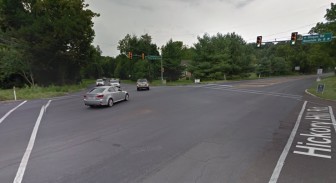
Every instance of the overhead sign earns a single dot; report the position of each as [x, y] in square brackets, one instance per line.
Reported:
[327, 37]
[153, 57]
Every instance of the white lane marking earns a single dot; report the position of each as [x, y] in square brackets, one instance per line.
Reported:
[284, 153]
[332, 117]
[25, 158]
[9, 112]
[211, 85]
[261, 93]
[229, 88]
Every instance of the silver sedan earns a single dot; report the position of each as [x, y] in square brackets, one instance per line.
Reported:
[105, 96]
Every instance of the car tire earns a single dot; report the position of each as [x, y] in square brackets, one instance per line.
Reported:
[110, 102]
[126, 97]
[138, 89]
[148, 88]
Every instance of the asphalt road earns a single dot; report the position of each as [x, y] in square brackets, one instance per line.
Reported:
[229, 132]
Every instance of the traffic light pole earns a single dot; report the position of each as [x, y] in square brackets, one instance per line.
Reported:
[161, 72]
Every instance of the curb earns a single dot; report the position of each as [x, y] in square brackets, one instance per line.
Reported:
[307, 92]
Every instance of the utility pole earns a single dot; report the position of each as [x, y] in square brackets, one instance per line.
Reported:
[161, 70]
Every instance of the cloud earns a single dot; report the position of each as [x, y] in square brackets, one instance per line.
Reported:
[236, 3]
[134, 4]
[242, 3]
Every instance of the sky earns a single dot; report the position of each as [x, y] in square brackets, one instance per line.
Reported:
[185, 20]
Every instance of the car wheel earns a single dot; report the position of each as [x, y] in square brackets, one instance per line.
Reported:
[148, 88]
[126, 97]
[110, 102]
[138, 89]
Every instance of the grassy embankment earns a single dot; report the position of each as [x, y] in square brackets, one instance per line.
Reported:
[43, 92]
[329, 88]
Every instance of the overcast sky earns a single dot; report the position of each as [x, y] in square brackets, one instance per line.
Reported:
[184, 20]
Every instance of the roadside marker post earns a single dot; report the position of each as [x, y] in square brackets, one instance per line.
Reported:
[14, 93]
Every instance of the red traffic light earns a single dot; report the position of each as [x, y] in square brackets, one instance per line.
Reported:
[259, 41]
[130, 55]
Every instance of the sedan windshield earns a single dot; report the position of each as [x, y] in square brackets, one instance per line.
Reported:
[142, 80]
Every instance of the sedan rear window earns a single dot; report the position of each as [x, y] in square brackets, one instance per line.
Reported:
[114, 81]
[97, 90]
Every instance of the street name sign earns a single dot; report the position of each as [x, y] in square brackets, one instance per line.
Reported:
[153, 57]
[318, 38]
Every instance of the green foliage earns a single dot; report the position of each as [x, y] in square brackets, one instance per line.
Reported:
[131, 69]
[221, 55]
[172, 54]
[54, 36]
[43, 92]
[329, 88]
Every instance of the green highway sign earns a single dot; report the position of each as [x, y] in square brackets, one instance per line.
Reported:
[327, 37]
[153, 57]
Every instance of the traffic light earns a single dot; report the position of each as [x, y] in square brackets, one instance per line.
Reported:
[143, 56]
[293, 38]
[130, 55]
[259, 40]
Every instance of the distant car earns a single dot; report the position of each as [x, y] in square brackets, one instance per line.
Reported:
[100, 82]
[142, 84]
[105, 96]
[115, 82]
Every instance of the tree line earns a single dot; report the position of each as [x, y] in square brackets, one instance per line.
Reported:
[49, 42]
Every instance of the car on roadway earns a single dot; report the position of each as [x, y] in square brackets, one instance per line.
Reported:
[115, 82]
[105, 96]
[142, 84]
[100, 82]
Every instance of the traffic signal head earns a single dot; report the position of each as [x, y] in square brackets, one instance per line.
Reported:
[130, 55]
[143, 56]
[293, 38]
[259, 40]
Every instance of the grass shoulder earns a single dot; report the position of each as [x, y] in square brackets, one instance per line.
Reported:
[329, 91]
[37, 92]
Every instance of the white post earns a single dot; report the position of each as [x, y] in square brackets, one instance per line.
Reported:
[14, 92]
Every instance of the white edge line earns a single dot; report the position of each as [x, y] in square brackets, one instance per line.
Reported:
[25, 158]
[281, 161]
[332, 117]
[9, 112]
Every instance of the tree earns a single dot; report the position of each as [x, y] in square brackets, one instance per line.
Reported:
[172, 55]
[221, 55]
[55, 36]
[327, 48]
[138, 46]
